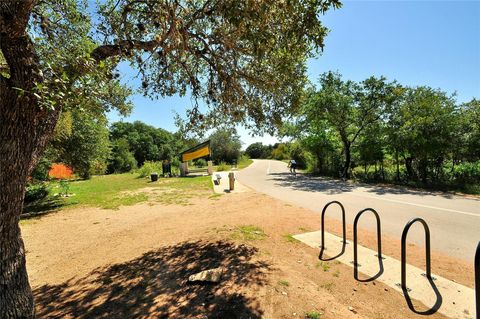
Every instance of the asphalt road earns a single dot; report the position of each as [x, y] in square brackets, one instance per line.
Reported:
[454, 221]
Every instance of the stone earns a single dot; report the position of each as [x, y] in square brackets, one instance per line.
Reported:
[210, 275]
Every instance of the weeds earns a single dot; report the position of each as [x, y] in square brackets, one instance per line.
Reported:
[325, 267]
[249, 232]
[289, 238]
[313, 315]
[328, 286]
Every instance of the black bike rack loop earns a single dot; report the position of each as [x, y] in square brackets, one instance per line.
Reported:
[477, 279]
[428, 272]
[355, 247]
[344, 227]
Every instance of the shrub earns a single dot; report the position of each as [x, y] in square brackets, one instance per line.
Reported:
[40, 172]
[223, 167]
[280, 152]
[36, 192]
[65, 187]
[175, 162]
[121, 159]
[201, 162]
[467, 173]
[149, 168]
[295, 151]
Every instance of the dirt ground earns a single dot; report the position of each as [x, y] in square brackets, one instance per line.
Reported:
[134, 263]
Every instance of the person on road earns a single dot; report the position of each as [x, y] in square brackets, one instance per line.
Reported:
[293, 166]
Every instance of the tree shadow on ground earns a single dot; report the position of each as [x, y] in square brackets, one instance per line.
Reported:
[403, 190]
[311, 184]
[155, 286]
[43, 207]
[336, 186]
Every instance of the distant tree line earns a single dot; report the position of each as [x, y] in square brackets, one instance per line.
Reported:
[89, 146]
[278, 151]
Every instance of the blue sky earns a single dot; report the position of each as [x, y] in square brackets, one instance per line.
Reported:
[434, 43]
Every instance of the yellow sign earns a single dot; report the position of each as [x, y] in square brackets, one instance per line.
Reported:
[201, 152]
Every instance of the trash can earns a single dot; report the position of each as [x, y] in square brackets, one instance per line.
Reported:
[231, 178]
[154, 177]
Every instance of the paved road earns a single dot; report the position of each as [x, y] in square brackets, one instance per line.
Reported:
[454, 221]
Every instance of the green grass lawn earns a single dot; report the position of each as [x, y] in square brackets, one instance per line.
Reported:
[113, 191]
[244, 162]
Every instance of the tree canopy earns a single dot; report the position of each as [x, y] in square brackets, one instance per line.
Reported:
[146, 142]
[226, 145]
[246, 59]
[415, 135]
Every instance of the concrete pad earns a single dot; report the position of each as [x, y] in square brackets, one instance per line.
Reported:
[224, 186]
[456, 301]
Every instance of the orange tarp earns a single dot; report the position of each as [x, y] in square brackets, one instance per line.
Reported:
[60, 171]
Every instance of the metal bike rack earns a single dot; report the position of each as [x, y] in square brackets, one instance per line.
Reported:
[477, 279]
[428, 273]
[344, 237]
[355, 243]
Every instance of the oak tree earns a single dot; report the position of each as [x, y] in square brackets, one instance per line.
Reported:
[245, 58]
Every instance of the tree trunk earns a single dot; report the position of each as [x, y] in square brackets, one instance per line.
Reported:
[398, 166]
[409, 167]
[16, 299]
[348, 159]
[423, 169]
[16, 155]
[24, 130]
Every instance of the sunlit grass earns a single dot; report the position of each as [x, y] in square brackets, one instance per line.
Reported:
[113, 191]
[249, 232]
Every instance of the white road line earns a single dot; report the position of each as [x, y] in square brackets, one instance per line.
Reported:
[419, 205]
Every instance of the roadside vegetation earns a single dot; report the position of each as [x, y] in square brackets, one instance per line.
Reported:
[383, 132]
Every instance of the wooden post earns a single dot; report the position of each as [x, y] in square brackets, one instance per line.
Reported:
[231, 178]
[210, 168]
[183, 170]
